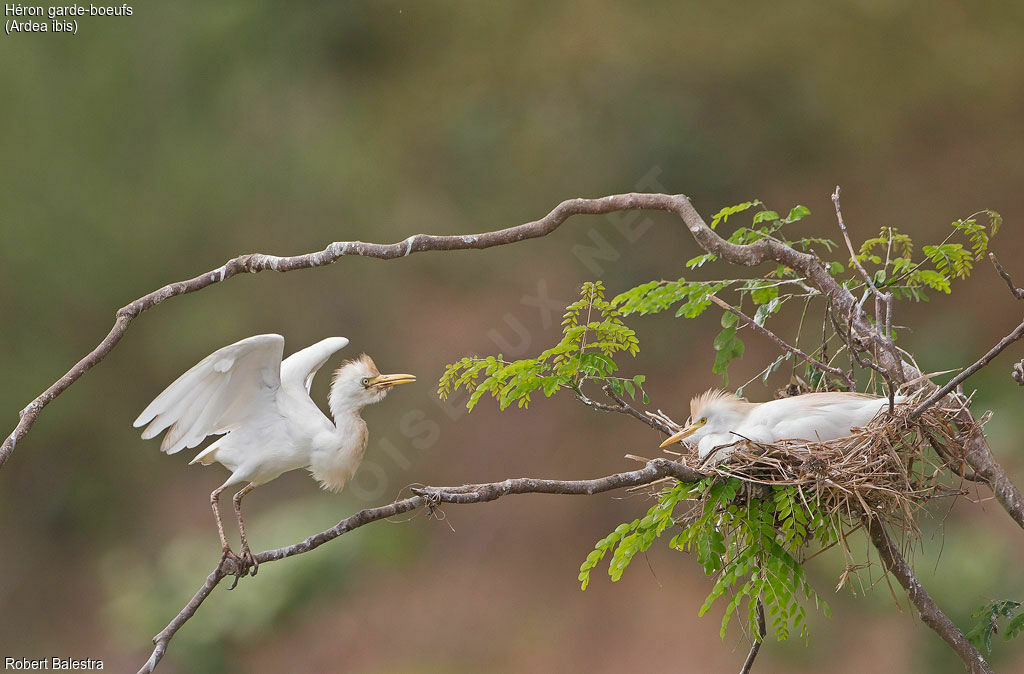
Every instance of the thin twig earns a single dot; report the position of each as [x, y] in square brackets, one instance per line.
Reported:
[853, 257]
[880, 298]
[762, 630]
[1017, 292]
[1017, 333]
[835, 372]
[626, 408]
[622, 407]
[655, 470]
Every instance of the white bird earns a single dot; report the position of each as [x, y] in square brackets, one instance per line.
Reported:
[719, 420]
[269, 424]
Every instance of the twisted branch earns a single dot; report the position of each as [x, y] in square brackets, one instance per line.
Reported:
[426, 497]
[257, 262]
[930, 612]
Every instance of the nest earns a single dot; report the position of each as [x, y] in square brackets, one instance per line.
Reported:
[888, 469]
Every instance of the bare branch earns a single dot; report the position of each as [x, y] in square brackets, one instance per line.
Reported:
[835, 372]
[880, 299]
[417, 243]
[1017, 292]
[427, 497]
[1017, 333]
[622, 407]
[762, 630]
[926, 606]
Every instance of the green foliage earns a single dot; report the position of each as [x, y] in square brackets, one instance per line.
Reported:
[657, 296]
[767, 224]
[723, 215]
[693, 297]
[892, 252]
[592, 333]
[987, 624]
[976, 233]
[728, 347]
[749, 545]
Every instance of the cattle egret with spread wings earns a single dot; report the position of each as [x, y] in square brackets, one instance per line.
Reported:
[721, 420]
[260, 405]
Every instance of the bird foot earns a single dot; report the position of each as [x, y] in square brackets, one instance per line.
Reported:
[238, 565]
[249, 560]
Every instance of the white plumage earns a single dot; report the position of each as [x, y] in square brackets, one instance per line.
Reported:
[261, 406]
[719, 420]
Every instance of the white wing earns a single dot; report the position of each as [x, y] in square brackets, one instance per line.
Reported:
[224, 390]
[298, 369]
[812, 416]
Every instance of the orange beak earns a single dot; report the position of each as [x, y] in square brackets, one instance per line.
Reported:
[386, 381]
[685, 433]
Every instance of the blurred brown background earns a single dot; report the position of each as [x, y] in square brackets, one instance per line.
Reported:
[152, 148]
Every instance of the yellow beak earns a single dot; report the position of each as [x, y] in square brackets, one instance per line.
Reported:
[685, 433]
[386, 381]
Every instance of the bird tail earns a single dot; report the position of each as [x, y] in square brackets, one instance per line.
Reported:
[207, 456]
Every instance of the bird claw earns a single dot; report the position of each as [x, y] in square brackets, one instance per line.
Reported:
[238, 565]
[249, 561]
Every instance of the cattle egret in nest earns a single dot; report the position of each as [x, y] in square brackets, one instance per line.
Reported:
[260, 405]
[720, 420]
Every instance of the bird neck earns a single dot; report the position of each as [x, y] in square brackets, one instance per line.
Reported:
[334, 462]
[344, 405]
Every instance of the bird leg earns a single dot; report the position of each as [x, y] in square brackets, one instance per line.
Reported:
[214, 497]
[248, 559]
[230, 563]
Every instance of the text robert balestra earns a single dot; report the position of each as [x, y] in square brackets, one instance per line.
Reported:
[55, 664]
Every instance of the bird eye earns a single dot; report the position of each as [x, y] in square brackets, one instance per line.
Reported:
[365, 381]
[703, 420]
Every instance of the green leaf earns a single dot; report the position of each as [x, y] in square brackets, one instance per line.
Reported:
[724, 338]
[761, 294]
[728, 348]
[723, 215]
[700, 260]
[797, 213]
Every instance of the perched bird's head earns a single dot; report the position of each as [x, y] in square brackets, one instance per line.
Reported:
[358, 383]
[712, 412]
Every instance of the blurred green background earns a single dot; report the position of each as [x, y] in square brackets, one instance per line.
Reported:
[151, 148]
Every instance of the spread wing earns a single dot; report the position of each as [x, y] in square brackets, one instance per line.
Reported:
[232, 385]
[298, 369]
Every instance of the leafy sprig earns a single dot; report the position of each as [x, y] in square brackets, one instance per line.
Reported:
[592, 333]
[749, 545]
[988, 617]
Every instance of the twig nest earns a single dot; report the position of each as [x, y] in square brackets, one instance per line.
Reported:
[888, 469]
